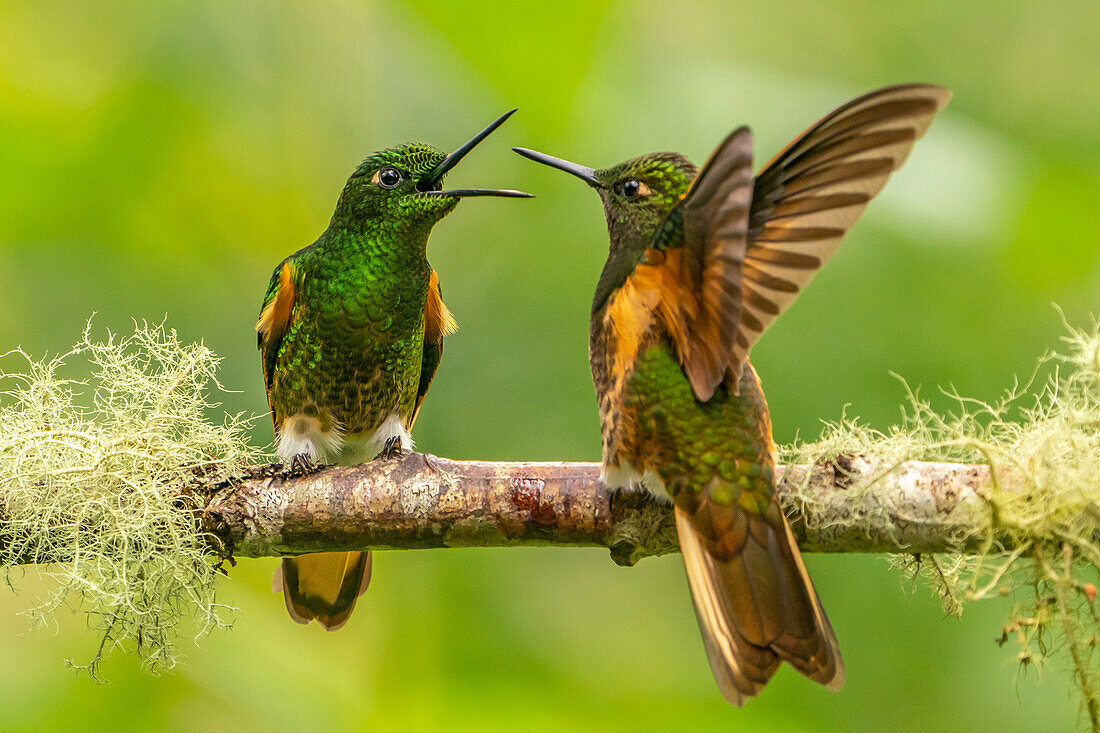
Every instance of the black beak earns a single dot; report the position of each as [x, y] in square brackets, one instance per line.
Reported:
[464, 193]
[429, 180]
[588, 175]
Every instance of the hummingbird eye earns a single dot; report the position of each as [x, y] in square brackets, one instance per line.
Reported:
[632, 189]
[388, 177]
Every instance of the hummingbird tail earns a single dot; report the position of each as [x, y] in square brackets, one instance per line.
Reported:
[756, 605]
[323, 586]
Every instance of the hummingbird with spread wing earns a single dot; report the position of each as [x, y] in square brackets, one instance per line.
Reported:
[701, 262]
[351, 333]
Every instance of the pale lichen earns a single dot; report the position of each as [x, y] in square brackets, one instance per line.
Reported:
[1040, 540]
[94, 477]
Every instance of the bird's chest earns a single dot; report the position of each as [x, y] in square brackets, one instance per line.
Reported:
[352, 354]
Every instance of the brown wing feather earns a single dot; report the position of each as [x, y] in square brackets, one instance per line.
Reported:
[716, 215]
[811, 193]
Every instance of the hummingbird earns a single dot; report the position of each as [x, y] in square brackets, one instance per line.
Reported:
[701, 262]
[350, 334]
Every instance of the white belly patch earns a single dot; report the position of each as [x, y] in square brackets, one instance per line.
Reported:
[362, 448]
[301, 434]
[625, 476]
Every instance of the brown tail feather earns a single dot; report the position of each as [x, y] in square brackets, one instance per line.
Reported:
[756, 607]
[323, 586]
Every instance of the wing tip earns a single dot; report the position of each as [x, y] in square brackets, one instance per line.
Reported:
[938, 91]
[838, 680]
[703, 388]
[941, 95]
[733, 696]
[741, 136]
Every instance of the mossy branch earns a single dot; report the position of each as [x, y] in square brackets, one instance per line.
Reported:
[121, 481]
[422, 501]
[419, 501]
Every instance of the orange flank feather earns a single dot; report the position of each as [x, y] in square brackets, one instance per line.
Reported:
[438, 321]
[276, 314]
[274, 319]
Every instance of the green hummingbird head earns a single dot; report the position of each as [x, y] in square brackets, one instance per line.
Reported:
[404, 184]
[637, 195]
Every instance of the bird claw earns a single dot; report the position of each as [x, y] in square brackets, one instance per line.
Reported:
[302, 465]
[391, 449]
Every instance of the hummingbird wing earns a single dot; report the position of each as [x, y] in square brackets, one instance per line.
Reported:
[715, 213]
[808, 196]
[438, 322]
[274, 318]
[750, 255]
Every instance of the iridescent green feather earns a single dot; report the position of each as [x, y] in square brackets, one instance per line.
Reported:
[722, 445]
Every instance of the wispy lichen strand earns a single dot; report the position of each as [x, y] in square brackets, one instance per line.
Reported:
[1042, 440]
[94, 477]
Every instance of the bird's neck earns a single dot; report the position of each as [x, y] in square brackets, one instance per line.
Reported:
[375, 241]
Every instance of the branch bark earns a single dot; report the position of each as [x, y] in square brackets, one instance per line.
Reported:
[422, 501]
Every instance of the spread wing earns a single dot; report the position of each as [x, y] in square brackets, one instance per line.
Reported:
[749, 256]
[438, 322]
[808, 196]
[274, 318]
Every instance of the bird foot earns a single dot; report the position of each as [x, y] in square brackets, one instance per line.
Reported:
[391, 449]
[302, 465]
[613, 496]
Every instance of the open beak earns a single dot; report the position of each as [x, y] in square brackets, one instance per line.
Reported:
[588, 175]
[430, 180]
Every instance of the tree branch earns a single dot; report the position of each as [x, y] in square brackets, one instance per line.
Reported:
[422, 501]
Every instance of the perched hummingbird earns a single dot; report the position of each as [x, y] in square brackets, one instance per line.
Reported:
[351, 332]
[701, 262]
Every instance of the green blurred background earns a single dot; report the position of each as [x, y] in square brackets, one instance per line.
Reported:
[160, 158]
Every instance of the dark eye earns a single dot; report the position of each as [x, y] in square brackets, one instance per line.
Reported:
[632, 189]
[388, 177]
